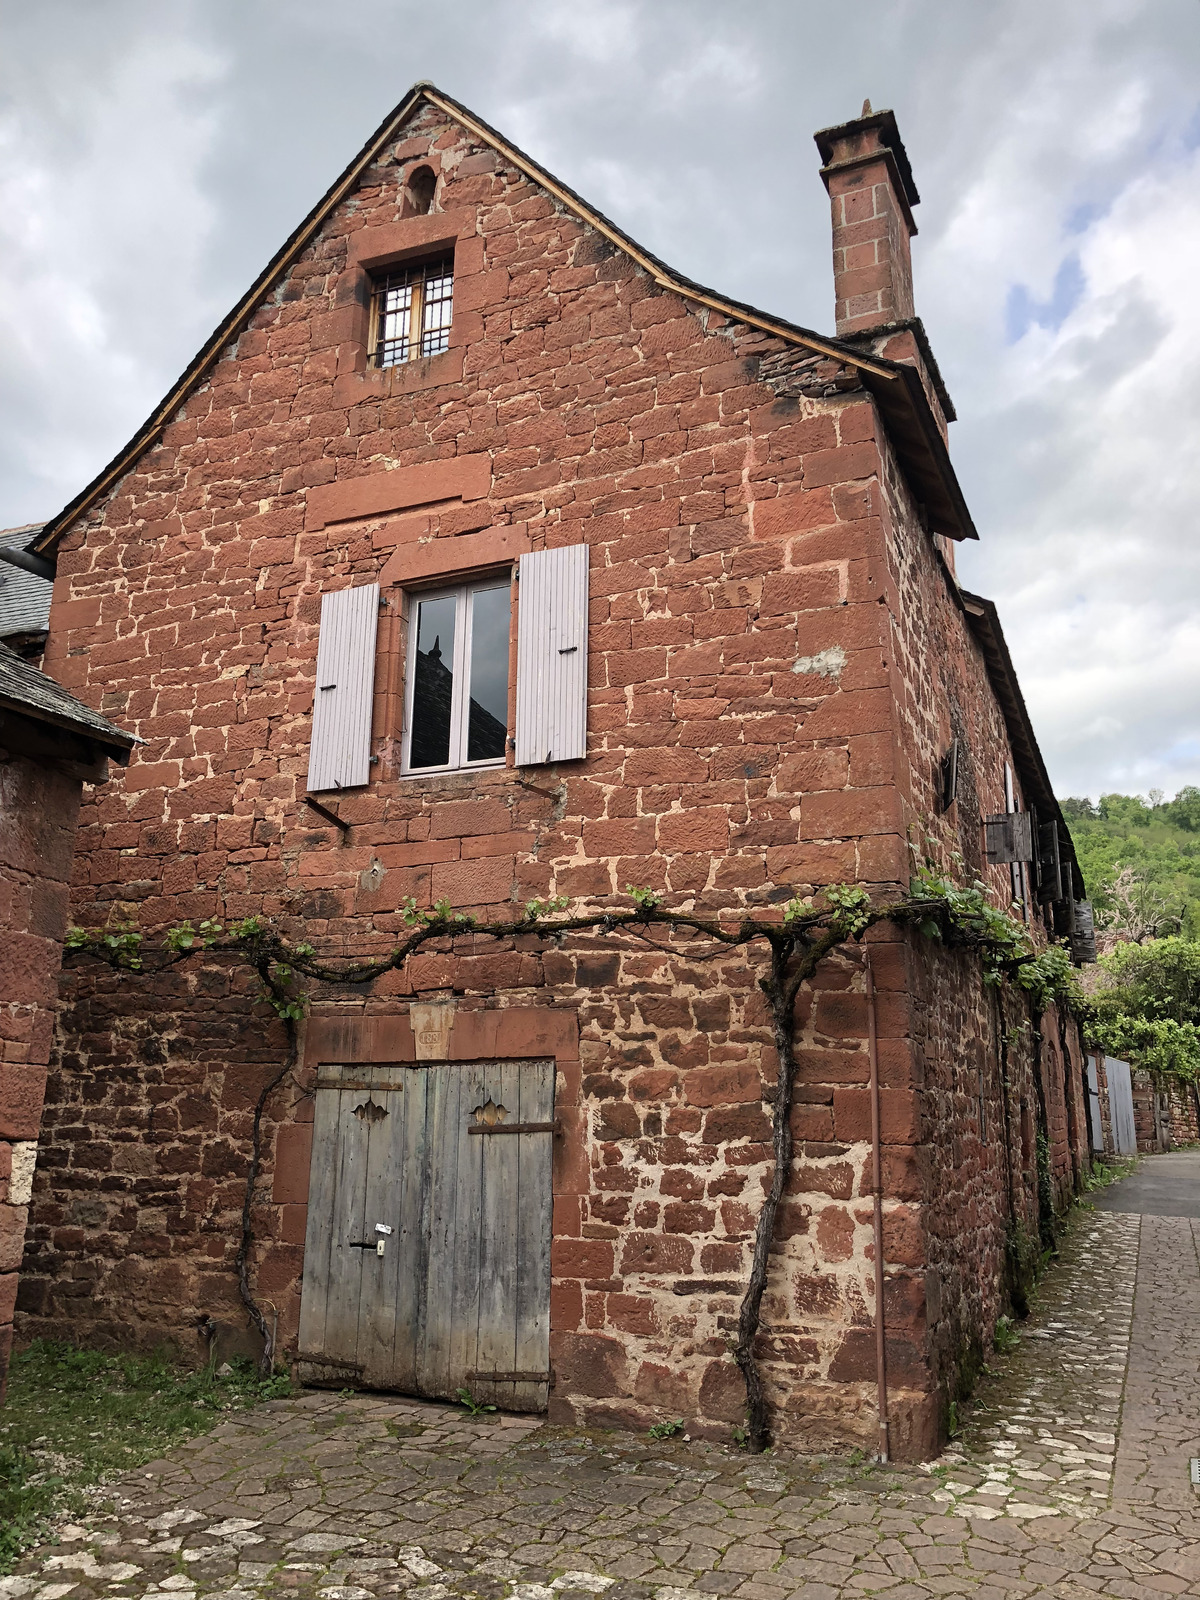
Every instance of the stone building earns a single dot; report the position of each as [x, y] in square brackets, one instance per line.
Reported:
[545, 571]
[50, 746]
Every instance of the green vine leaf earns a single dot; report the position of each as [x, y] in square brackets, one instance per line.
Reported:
[852, 910]
[645, 899]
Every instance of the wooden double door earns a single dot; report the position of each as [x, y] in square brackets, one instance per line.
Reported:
[427, 1256]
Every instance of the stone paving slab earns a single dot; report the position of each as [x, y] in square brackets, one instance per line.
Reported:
[1160, 1428]
[324, 1497]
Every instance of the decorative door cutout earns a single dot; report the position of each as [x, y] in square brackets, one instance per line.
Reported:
[427, 1257]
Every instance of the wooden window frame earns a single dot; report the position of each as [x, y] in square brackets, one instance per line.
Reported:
[421, 343]
[462, 592]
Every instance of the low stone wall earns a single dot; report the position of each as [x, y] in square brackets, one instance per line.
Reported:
[1164, 1113]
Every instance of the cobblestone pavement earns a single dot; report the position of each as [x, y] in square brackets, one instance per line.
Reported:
[1042, 1436]
[340, 1498]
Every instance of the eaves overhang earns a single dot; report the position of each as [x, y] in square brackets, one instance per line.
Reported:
[913, 430]
[984, 622]
[895, 385]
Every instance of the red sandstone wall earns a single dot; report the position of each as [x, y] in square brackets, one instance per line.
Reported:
[981, 1097]
[1185, 1121]
[750, 734]
[38, 808]
[1176, 1120]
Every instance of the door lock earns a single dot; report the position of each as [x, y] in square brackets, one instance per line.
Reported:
[383, 1232]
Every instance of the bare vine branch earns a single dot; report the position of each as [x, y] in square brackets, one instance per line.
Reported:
[799, 937]
[266, 1360]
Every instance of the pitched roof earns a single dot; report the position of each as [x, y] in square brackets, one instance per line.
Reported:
[895, 386]
[24, 597]
[23, 688]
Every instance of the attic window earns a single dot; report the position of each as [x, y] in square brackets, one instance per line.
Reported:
[421, 185]
[410, 314]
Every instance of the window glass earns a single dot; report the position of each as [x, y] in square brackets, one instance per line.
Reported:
[395, 317]
[433, 682]
[458, 677]
[487, 720]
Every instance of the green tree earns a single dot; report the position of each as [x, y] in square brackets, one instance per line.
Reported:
[1158, 979]
[1146, 1006]
[1155, 843]
[1184, 810]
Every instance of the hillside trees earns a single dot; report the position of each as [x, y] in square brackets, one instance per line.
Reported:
[1141, 861]
[1146, 1006]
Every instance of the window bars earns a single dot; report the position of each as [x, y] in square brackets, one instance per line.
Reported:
[412, 311]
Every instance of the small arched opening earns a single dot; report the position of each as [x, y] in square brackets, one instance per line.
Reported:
[419, 192]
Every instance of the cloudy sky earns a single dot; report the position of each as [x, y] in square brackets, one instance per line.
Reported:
[154, 154]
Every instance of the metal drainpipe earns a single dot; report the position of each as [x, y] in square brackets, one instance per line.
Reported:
[877, 1191]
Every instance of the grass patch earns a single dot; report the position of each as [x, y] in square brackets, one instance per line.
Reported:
[76, 1419]
[1106, 1169]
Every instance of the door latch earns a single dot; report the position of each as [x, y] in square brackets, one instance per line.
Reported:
[383, 1232]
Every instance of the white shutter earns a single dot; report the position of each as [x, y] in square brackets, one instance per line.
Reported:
[552, 639]
[341, 731]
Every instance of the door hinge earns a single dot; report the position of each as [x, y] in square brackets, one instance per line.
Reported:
[510, 1377]
[516, 1127]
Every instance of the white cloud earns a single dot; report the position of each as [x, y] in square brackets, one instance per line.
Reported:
[599, 32]
[153, 157]
[1091, 541]
[102, 225]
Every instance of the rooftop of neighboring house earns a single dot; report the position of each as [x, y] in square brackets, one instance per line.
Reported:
[24, 597]
[28, 692]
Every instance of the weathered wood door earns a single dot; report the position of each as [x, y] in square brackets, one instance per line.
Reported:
[427, 1258]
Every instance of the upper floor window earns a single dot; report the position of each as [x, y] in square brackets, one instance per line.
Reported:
[410, 313]
[457, 685]
[458, 677]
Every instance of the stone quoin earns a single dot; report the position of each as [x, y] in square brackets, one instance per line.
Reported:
[696, 566]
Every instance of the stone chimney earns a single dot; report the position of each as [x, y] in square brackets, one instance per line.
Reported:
[872, 192]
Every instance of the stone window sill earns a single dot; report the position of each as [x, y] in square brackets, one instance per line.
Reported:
[382, 383]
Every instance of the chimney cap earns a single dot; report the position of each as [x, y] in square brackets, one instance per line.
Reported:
[889, 138]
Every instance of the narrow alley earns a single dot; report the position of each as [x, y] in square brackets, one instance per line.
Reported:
[1070, 1478]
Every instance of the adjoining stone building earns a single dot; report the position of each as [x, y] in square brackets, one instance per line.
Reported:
[50, 746]
[543, 570]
